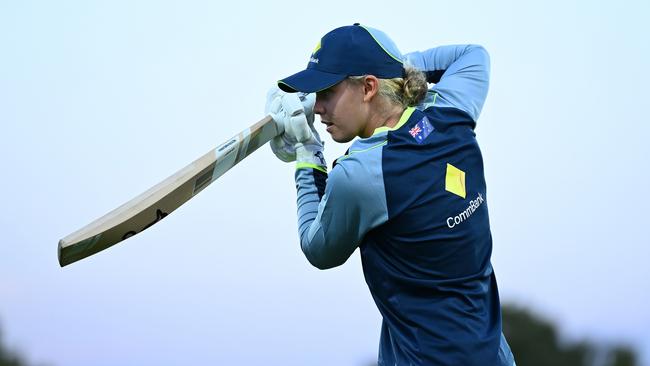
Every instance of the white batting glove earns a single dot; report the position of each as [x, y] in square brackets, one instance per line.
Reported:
[294, 114]
[281, 145]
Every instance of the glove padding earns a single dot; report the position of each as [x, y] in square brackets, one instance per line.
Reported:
[294, 115]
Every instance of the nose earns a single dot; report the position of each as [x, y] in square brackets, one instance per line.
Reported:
[318, 106]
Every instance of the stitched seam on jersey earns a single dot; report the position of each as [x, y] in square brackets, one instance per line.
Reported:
[360, 151]
[433, 103]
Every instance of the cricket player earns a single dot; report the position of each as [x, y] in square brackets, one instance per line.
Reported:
[410, 192]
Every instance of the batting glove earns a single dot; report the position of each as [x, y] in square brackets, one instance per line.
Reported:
[294, 115]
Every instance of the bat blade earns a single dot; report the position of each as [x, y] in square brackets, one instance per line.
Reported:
[148, 208]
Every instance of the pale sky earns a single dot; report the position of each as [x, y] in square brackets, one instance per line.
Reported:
[101, 100]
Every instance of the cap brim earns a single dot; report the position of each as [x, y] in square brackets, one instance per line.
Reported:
[309, 81]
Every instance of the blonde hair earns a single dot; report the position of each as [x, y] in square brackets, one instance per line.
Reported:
[408, 91]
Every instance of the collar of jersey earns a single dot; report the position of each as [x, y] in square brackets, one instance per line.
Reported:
[378, 137]
[405, 117]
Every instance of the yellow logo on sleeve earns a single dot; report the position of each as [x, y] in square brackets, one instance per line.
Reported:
[455, 181]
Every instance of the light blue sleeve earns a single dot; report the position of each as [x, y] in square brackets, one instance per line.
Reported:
[461, 74]
[353, 203]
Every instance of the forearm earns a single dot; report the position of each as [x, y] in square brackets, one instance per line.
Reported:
[333, 220]
[461, 74]
[442, 57]
[320, 252]
[310, 186]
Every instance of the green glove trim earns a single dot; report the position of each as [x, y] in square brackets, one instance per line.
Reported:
[311, 166]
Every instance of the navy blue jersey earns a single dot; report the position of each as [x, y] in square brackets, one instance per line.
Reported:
[413, 199]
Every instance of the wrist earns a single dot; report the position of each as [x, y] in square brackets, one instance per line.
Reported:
[310, 156]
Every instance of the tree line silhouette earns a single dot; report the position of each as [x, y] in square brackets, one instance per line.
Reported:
[534, 341]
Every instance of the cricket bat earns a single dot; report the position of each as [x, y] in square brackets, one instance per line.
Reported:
[150, 207]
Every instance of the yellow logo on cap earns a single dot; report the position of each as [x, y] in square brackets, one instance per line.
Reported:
[455, 181]
[316, 48]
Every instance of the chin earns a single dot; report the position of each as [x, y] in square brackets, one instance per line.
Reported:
[342, 139]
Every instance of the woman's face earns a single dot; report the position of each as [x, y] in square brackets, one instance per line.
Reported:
[342, 109]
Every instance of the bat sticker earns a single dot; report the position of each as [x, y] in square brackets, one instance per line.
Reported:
[226, 145]
[159, 216]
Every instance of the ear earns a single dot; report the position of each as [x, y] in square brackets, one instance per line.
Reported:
[370, 87]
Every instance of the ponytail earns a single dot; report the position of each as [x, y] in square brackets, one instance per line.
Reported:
[414, 88]
[408, 91]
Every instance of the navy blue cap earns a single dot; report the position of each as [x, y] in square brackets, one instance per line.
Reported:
[352, 50]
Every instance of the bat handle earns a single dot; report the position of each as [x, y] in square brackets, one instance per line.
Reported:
[279, 127]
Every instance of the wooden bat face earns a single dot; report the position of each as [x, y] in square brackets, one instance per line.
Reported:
[150, 207]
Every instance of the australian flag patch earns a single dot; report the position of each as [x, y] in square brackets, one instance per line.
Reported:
[421, 130]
